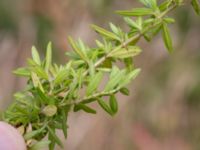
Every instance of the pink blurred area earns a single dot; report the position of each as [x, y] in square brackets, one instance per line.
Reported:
[163, 109]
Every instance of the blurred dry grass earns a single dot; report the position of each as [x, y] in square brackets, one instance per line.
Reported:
[164, 107]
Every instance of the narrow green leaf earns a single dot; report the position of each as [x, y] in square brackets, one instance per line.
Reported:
[32, 63]
[89, 101]
[87, 109]
[128, 62]
[55, 137]
[99, 44]
[149, 3]
[91, 68]
[130, 76]
[133, 74]
[169, 20]
[64, 122]
[40, 72]
[40, 145]
[36, 81]
[35, 55]
[107, 63]
[78, 50]
[42, 96]
[22, 72]
[105, 33]
[167, 38]
[52, 145]
[62, 75]
[139, 22]
[163, 6]
[147, 37]
[19, 95]
[131, 51]
[153, 32]
[105, 107]
[81, 45]
[145, 2]
[34, 133]
[53, 142]
[48, 56]
[104, 69]
[115, 78]
[115, 70]
[136, 12]
[93, 83]
[113, 104]
[149, 21]
[124, 91]
[196, 6]
[114, 28]
[131, 23]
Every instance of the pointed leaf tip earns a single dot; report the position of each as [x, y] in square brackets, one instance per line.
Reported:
[35, 55]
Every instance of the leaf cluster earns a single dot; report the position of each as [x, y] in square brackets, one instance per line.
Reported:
[53, 90]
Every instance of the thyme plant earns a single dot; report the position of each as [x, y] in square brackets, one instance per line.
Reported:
[53, 90]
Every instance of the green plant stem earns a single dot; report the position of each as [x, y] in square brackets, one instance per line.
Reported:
[86, 99]
[124, 44]
[135, 37]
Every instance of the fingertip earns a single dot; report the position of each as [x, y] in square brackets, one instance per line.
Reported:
[10, 138]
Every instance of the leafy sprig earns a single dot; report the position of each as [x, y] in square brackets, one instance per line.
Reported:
[54, 90]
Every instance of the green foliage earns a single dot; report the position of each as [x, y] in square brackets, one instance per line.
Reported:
[113, 104]
[105, 106]
[196, 6]
[40, 145]
[166, 37]
[137, 12]
[53, 90]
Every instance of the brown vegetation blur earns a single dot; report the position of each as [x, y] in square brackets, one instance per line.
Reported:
[162, 112]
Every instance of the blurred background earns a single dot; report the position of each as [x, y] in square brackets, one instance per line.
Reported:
[163, 110]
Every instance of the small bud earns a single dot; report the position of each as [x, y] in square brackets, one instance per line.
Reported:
[124, 91]
[50, 110]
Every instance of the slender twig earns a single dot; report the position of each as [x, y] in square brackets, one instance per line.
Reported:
[127, 42]
[86, 99]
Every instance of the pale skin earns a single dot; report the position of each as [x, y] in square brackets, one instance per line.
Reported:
[10, 138]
